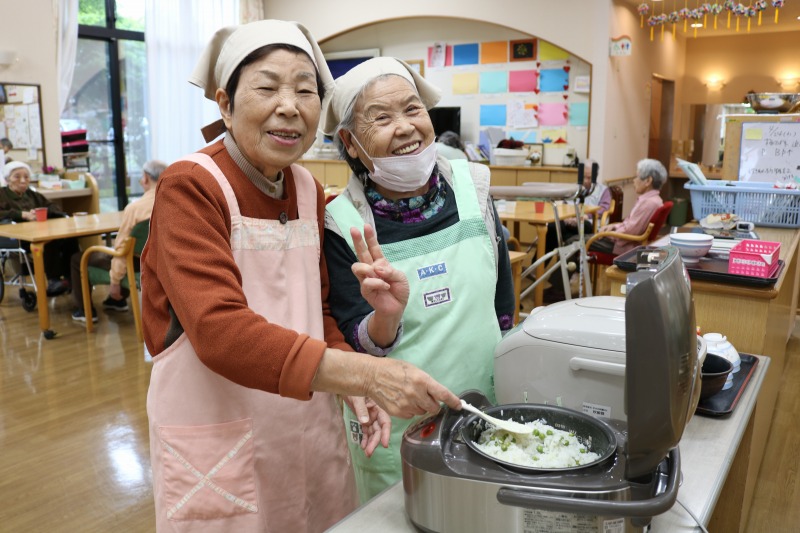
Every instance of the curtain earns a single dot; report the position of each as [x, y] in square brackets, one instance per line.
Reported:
[252, 10]
[67, 34]
[176, 33]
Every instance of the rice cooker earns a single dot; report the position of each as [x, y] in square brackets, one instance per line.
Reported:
[622, 374]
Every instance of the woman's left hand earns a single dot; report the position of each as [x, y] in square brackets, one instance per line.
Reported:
[385, 288]
[375, 423]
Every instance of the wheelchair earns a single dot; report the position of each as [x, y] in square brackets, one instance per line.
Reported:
[15, 263]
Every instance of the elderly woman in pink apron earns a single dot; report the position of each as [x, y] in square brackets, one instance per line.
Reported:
[245, 432]
[436, 222]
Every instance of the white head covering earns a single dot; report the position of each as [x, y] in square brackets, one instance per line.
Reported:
[230, 45]
[353, 81]
[14, 165]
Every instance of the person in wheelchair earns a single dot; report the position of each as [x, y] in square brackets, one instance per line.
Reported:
[17, 203]
[135, 212]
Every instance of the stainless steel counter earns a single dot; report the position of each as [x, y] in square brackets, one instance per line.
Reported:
[708, 449]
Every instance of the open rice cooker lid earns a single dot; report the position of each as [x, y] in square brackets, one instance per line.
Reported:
[597, 322]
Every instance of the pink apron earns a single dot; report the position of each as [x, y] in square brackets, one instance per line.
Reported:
[229, 458]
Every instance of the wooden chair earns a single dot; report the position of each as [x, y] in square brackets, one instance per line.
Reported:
[132, 247]
[615, 211]
[657, 221]
[605, 220]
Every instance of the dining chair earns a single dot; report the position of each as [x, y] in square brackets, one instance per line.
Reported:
[657, 220]
[131, 248]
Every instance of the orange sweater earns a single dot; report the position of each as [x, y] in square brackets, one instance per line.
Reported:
[188, 268]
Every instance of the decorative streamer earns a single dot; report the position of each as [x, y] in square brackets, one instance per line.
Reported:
[760, 6]
[716, 9]
[674, 18]
[729, 5]
[777, 4]
[706, 8]
[685, 14]
[643, 10]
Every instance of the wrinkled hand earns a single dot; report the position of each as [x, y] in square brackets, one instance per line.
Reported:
[28, 215]
[609, 227]
[404, 390]
[572, 221]
[382, 286]
[376, 424]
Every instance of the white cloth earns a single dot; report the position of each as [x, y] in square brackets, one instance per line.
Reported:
[348, 86]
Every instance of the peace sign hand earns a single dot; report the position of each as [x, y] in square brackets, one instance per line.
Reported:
[382, 286]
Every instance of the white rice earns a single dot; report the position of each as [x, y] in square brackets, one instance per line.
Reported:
[544, 447]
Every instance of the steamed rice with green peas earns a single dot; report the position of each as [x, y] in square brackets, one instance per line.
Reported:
[544, 447]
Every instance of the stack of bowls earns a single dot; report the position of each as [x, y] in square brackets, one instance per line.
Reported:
[691, 246]
[717, 343]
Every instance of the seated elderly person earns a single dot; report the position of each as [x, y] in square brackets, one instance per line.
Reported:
[450, 146]
[17, 203]
[650, 177]
[134, 212]
[436, 222]
[600, 196]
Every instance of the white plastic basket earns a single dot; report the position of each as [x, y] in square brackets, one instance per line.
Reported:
[759, 203]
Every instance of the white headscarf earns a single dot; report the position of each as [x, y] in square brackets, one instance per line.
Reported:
[232, 44]
[14, 165]
[351, 83]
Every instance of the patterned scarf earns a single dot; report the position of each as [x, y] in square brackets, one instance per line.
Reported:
[408, 210]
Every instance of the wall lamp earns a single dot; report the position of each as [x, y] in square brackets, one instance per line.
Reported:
[7, 58]
[715, 84]
[788, 84]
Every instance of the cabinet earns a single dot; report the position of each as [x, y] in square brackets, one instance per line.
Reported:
[329, 172]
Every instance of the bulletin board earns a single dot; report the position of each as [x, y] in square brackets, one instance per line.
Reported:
[21, 118]
[533, 97]
[761, 147]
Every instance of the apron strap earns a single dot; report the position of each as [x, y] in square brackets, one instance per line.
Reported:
[207, 163]
[306, 187]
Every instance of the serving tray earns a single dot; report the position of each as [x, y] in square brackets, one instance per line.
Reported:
[724, 402]
[708, 268]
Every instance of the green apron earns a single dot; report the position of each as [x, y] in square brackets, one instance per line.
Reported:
[450, 325]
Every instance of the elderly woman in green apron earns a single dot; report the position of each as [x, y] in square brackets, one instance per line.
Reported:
[436, 222]
[245, 431]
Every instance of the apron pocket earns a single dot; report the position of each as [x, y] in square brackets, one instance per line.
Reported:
[209, 471]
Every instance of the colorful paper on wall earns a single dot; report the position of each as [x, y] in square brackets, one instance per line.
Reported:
[526, 136]
[553, 80]
[520, 81]
[440, 55]
[465, 54]
[494, 82]
[579, 114]
[493, 115]
[521, 115]
[466, 83]
[494, 52]
[551, 135]
[550, 52]
[554, 114]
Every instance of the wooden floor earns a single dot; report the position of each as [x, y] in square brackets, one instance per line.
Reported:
[74, 440]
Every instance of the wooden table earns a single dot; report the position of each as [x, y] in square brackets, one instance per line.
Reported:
[40, 233]
[756, 320]
[526, 211]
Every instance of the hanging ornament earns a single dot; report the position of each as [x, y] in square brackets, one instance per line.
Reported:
[716, 9]
[749, 13]
[674, 18]
[643, 9]
[730, 5]
[684, 14]
[695, 15]
[760, 6]
[706, 9]
[652, 21]
[740, 11]
[777, 4]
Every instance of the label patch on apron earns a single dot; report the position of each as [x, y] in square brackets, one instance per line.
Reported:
[438, 297]
[433, 270]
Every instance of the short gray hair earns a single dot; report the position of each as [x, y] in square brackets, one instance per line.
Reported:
[154, 168]
[652, 168]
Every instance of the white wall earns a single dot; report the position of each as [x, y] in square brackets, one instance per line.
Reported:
[29, 28]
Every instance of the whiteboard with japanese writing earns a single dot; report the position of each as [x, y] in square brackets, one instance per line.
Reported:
[770, 152]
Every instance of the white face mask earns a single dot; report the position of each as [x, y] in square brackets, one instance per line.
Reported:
[402, 173]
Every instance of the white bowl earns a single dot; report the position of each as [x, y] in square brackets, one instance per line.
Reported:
[692, 246]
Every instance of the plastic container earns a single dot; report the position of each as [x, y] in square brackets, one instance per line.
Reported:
[510, 157]
[759, 203]
[754, 258]
[680, 209]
